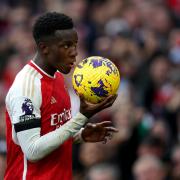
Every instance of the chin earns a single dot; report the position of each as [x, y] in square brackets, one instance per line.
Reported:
[64, 71]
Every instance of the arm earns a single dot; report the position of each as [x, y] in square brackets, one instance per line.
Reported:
[25, 117]
[35, 147]
[27, 129]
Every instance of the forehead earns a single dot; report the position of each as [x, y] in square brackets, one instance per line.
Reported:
[66, 35]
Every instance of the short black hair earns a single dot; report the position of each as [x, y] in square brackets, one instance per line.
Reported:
[48, 23]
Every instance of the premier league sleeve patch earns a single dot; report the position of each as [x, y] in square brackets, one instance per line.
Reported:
[27, 109]
[28, 120]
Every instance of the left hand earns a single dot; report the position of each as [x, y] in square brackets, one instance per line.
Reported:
[98, 132]
[89, 109]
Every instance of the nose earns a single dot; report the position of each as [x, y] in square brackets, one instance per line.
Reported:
[73, 51]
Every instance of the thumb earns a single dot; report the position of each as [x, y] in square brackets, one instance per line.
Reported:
[82, 98]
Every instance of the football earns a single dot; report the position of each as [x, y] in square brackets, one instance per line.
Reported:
[96, 78]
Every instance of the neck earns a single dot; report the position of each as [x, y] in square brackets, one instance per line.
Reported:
[43, 64]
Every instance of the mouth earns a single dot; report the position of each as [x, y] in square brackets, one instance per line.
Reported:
[72, 63]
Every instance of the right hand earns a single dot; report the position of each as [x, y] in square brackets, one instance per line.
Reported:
[88, 109]
[98, 132]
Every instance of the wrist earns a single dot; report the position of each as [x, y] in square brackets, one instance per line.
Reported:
[78, 136]
[86, 114]
[82, 135]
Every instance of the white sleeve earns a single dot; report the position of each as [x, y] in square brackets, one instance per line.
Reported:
[26, 122]
[35, 147]
[25, 118]
[23, 103]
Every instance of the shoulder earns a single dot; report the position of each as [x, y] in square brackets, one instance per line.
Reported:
[27, 84]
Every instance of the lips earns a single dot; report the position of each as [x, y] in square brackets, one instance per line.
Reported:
[72, 65]
[72, 62]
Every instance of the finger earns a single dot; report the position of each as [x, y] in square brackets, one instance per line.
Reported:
[104, 123]
[83, 100]
[89, 125]
[111, 129]
[109, 135]
[108, 101]
[112, 97]
[81, 96]
[104, 140]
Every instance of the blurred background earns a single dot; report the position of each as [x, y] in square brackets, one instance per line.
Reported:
[142, 38]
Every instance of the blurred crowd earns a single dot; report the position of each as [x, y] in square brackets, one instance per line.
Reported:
[142, 37]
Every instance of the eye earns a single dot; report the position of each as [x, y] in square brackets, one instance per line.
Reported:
[70, 45]
[66, 46]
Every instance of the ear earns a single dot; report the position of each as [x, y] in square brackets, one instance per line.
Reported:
[43, 47]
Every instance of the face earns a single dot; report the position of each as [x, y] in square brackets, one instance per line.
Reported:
[62, 51]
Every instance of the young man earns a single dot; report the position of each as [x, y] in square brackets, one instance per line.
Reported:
[40, 129]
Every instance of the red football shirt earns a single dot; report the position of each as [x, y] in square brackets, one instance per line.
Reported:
[51, 103]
